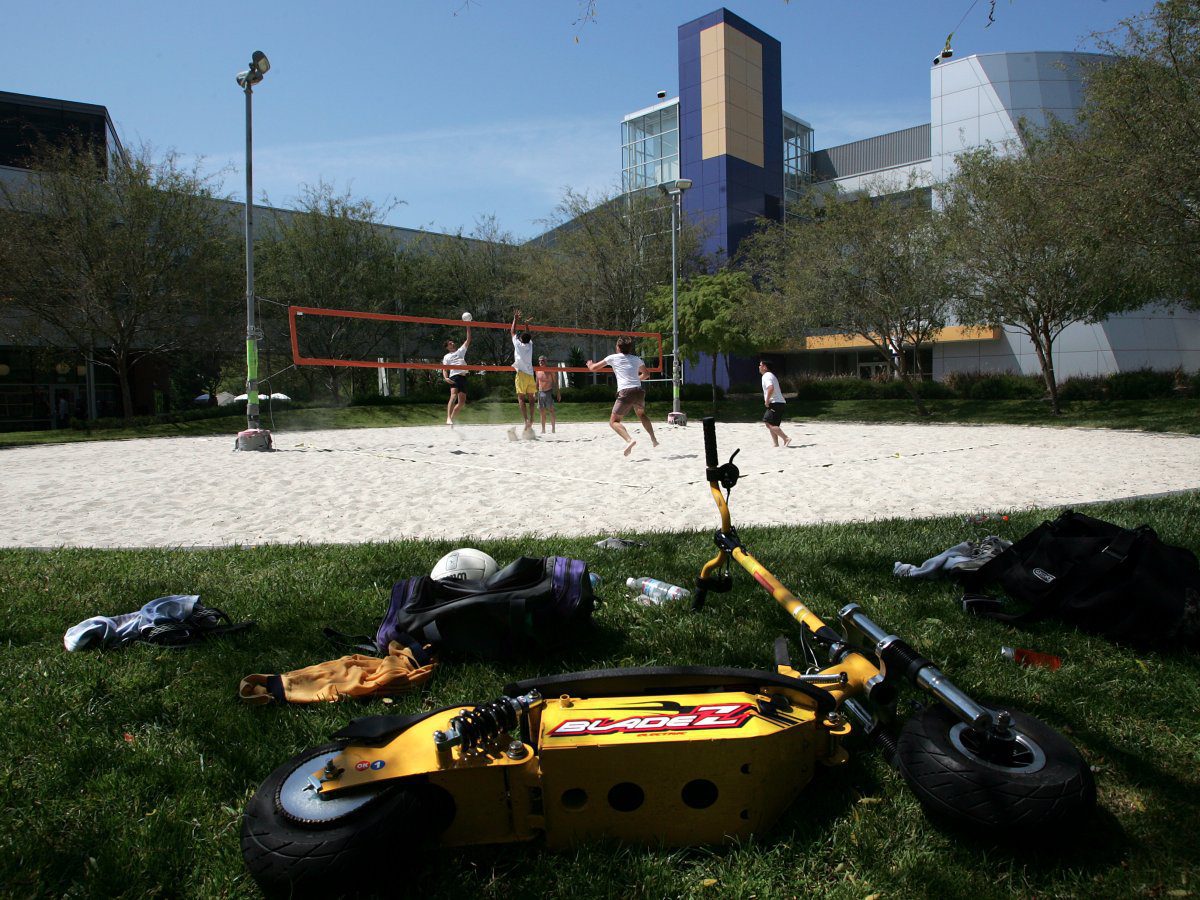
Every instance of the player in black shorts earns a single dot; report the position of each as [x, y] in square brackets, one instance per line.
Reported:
[456, 378]
[774, 402]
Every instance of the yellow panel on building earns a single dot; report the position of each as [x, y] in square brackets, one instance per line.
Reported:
[949, 334]
[731, 91]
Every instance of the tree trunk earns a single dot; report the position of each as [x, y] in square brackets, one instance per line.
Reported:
[899, 369]
[911, 387]
[126, 391]
[714, 383]
[1043, 343]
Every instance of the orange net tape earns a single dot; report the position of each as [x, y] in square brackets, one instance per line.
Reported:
[298, 359]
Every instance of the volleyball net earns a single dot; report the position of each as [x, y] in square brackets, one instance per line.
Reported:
[343, 334]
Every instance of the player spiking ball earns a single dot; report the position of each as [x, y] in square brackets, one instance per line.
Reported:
[456, 378]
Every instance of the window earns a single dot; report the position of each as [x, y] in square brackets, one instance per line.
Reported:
[650, 149]
[797, 159]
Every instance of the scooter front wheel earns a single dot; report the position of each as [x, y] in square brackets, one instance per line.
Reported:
[1036, 783]
[298, 845]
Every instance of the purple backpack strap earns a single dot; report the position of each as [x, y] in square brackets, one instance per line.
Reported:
[567, 580]
[402, 593]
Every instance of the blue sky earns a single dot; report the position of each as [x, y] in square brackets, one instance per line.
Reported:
[467, 108]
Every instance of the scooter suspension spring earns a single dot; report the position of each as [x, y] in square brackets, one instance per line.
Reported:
[472, 729]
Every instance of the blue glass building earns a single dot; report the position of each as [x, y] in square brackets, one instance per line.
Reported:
[748, 159]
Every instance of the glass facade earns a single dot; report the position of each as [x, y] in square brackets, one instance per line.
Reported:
[24, 121]
[650, 151]
[650, 148]
[797, 159]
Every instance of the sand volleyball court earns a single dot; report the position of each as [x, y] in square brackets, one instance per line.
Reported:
[352, 486]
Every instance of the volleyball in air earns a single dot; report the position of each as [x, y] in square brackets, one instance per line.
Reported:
[467, 317]
[464, 564]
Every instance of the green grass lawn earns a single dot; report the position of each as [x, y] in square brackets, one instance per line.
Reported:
[1182, 416]
[126, 772]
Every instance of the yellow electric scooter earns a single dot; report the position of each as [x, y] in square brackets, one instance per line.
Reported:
[674, 756]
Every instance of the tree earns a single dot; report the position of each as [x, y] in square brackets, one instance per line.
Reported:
[601, 259]
[1138, 160]
[480, 273]
[126, 260]
[873, 268]
[711, 316]
[330, 253]
[1027, 261]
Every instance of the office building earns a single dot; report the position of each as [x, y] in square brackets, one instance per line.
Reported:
[747, 158]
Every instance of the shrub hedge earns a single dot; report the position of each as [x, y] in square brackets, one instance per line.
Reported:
[807, 388]
[1142, 384]
[995, 386]
[238, 408]
[1083, 387]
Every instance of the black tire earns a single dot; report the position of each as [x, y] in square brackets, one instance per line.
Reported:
[1045, 785]
[340, 850]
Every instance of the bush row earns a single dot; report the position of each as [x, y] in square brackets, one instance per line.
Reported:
[1142, 384]
[237, 408]
[861, 389]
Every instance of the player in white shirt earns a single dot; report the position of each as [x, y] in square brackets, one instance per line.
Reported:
[456, 378]
[774, 402]
[526, 384]
[630, 372]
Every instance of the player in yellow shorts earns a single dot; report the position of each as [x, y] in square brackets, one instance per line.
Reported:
[523, 362]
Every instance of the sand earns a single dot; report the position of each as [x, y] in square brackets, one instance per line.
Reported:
[383, 484]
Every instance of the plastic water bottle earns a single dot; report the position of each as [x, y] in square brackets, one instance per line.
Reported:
[657, 591]
[597, 582]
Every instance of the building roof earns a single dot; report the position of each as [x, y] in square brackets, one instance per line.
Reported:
[873, 154]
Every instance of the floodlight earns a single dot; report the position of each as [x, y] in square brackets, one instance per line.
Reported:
[678, 186]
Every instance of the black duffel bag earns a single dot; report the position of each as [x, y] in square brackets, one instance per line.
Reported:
[532, 604]
[1123, 583]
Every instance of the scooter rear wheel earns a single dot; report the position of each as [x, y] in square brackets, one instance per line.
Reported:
[1042, 783]
[297, 845]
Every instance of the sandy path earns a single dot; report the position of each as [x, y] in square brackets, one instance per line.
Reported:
[382, 484]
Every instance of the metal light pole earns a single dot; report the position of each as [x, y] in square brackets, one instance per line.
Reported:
[674, 190]
[254, 437]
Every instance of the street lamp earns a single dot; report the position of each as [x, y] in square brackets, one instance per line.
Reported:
[254, 437]
[674, 190]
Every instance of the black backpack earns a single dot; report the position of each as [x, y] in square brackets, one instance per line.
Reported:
[1122, 583]
[532, 604]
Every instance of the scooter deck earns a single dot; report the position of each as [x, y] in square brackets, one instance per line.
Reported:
[662, 679]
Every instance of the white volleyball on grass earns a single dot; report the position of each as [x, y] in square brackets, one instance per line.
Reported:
[467, 317]
[464, 564]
